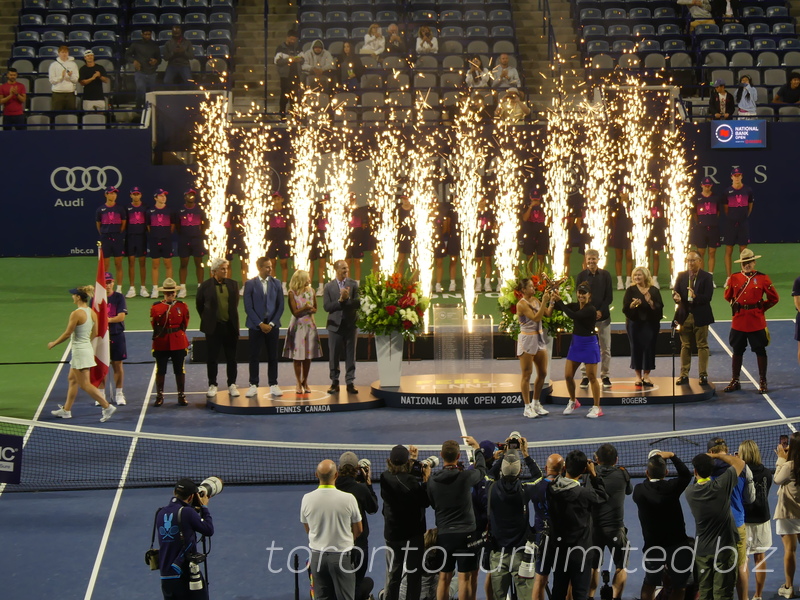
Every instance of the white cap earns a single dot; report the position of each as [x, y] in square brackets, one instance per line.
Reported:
[653, 453]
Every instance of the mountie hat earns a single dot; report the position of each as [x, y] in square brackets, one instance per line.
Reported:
[169, 285]
[747, 255]
[109, 277]
[511, 465]
[399, 455]
[737, 171]
[707, 181]
[186, 487]
[348, 458]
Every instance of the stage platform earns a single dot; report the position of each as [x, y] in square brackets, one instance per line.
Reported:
[318, 401]
[624, 393]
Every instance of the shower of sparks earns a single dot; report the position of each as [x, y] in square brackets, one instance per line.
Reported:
[212, 148]
[255, 185]
[599, 164]
[387, 164]
[303, 184]
[468, 160]
[509, 191]
[338, 180]
[678, 193]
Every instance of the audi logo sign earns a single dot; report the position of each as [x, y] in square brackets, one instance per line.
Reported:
[85, 179]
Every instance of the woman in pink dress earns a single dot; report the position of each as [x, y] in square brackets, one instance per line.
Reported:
[302, 340]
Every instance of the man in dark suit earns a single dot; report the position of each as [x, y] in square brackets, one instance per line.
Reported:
[218, 306]
[263, 305]
[720, 103]
[693, 291]
[340, 300]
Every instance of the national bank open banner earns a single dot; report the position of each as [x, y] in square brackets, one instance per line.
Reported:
[739, 134]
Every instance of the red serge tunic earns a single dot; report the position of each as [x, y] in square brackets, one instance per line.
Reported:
[169, 323]
[749, 292]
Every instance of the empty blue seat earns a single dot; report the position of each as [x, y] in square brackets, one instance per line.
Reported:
[673, 46]
[451, 17]
[196, 5]
[107, 4]
[195, 35]
[218, 51]
[103, 51]
[337, 34]
[222, 5]
[452, 32]
[56, 20]
[104, 35]
[106, 20]
[591, 16]
[614, 14]
[53, 37]
[81, 20]
[172, 5]
[28, 37]
[79, 36]
[777, 12]
[475, 16]
[199, 50]
[170, 19]
[789, 44]
[712, 45]
[83, 5]
[706, 31]
[23, 52]
[59, 5]
[31, 20]
[336, 16]
[597, 46]
[765, 44]
[145, 4]
[664, 12]
[386, 16]
[135, 35]
[500, 16]
[669, 31]
[594, 32]
[77, 51]
[48, 52]
[358, 33]
[477, 32]
[640, 14]
[620, 46]
[194, 18]
[308, 34]
[312, 4]
[220, 18]
[361, 17]
[502, 32]
[646, 46]
[733, 29]
[34, 6]
[140, 19]
[739, 45]
[644, 30]
[424, 16]
[758, 29]
[220, 36]
[310, 17]
[784, 30]
[619, 32]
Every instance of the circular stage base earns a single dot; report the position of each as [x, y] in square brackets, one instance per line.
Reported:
[624, 393]
[318, 401]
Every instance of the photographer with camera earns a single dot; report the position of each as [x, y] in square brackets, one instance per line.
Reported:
[355, 478]
[177, 526]
[517, 444]
[404, 491]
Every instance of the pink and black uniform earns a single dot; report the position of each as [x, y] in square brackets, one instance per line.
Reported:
[621, 225]
[111, 221]
[359, 232]
[116, 331]
[705, 232]
[536, 233]
[658, 233]
[279, 228]
[136, 231]
[191, 239]
[446, 223]
[486, 234]
[737, 226]
[319, 242]
[159, 221]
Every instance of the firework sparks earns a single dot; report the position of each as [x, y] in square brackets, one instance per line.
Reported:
[386, 166]
[679, 194]
[211, 148]
[338, 179]
[255, 184]
[509, 191]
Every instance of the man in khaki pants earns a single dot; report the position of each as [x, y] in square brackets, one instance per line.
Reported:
[692, 293]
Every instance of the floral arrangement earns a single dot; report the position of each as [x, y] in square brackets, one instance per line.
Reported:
[558, 322]
[391, 304]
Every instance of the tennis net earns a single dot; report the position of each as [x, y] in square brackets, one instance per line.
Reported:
[66, 457]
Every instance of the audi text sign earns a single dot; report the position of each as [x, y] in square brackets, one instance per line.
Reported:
[10, 458]
[740, 134]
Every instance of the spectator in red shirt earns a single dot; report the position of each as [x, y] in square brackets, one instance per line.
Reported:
[12, 97]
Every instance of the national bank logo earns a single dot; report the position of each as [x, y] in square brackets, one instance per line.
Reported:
[724, 133]
[85, 179]
[10, 458]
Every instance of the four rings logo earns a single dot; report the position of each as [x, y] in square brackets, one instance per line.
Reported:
[85, 179]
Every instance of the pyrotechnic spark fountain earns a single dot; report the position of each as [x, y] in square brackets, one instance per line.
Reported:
[387, 164]
[509, 192]
[303, 184]
[211, 148]
[468, 160]
[679, 193]
[256, 187]
[338, 179]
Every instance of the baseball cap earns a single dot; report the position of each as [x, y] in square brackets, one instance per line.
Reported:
[74, 291]
[348, 458]
[736, 171]
[717, 441]
[159, 191]
[111, 190]
[399, 455]
[707, 181]
[652, 453]
[487, 447]
[718, 82]
[109, 276]
[189, 191]
[88, 53]
[136, 190]
[511, 465]
[584, 288]
[186, 487]
[536, 194]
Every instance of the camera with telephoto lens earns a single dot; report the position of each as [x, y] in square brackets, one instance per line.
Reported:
[364, 467]
[527, 567]
[195, 579]
[416, 466]
[209, 487]
[512, 443]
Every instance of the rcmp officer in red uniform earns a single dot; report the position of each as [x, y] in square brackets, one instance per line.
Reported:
[751, 294]
[169, 319]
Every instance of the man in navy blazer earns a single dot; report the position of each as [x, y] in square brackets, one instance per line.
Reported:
[263, 305]
[341, 302]
[693, 291]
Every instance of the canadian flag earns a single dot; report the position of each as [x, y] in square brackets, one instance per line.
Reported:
[102, 349]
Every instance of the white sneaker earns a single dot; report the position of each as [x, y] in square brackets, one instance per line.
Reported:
[595, 412]
[438, 287]
[478, 284]
[107, 412]
[786, 592]
[212, 391]
[620, 285]
[120, 398]
[319, 290]
[143, 292]
[571, 406]
[131, 292]
[61, 413]
[656, 284]
[182, 291]
[252, 391]
[487, 286]
[283, 287]
[499, 285]
[102, 393]
[275, 390]
[628, 282]
[241, 291]
[154, 293]
[540, 410]
[119, 289]
[233, 391]
[529, 412]
[714, 283]
[452, 287]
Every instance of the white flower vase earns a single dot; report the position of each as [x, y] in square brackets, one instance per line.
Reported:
[389, 349]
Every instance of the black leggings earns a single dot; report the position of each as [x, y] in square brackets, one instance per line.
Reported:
[163, 356]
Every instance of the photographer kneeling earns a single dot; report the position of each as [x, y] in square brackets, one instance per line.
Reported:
[177, 525]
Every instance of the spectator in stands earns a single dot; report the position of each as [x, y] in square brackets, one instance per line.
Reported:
[426, 41]
[720, 104]
[746, 97]
[643, 308]
[374, 41]
[512, 108]
[692, 294]
[351, 68]
[787, 511]
[724, 10]
[756, 514]
[716, 536]
[318, 67]
[145, 54]
[608, 525]
[333, 522]
[63, 76]
[449, 493]
[699, 11]
[92, 77]
[217, 304]
[405, 496]
[289, 59]
[178, 52]
[663, 525]
[570, 508]
[477, 76]
[12, 97]
[503, 75]
[789, 93]
[395, 42]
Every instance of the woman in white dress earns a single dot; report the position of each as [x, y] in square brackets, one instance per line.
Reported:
[531, 347]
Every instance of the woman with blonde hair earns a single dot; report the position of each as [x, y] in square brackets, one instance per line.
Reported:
[643, 310]
[756, 517]
[787, 512]
[302, 340]
[374, 41]
[81, 330]
[426, 42]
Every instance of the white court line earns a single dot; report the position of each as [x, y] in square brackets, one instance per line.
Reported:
[120, 488]
[43, 401]
[751, 378]
[463, 428]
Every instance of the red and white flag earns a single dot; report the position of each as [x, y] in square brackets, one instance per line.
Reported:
[102, 349]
